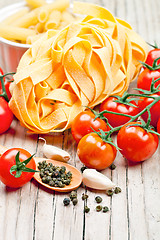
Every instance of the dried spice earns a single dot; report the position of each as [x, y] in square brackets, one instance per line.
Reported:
[54, 176]
[99, 208]
[73, 195]
[105, 209]
[98, 199]
[66, 201]
[83, 168]
[110, 192]
[75, 201]
[117, 190]
[86, 209]
[84, 196]
[113, 166]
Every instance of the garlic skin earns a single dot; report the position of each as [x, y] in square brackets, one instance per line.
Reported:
[55, 153]
[96, 180]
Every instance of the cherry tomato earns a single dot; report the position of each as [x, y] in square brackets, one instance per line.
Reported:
[152, 55]
[83, 124]
[158, 126]
[135, 143]
[7, 160]
[145, 78]
[154, 110]
[95, 153]
[117, 120]
[1, 71]
[6, 115]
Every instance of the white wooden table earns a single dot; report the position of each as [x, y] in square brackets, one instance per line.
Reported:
[32, 212]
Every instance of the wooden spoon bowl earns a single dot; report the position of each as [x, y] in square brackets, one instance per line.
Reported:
[76, 175]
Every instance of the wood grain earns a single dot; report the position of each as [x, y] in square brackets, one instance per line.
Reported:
[33, 212]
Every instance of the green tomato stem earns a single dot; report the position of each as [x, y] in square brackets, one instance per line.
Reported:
[20, 167]
[154, 46]
[154, 67]
[4, 94]
[132, 118]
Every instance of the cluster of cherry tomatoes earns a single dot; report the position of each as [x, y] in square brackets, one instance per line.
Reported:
[136, 140]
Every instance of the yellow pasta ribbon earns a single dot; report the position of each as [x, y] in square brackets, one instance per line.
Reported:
[80, 65]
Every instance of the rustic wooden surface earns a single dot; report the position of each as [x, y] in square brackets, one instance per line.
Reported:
[32, 212]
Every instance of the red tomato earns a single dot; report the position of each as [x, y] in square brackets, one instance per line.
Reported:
[6, 116]
[154, 110]
[95, 153]
[145, 78]
[1, 71]
[152, 55]
[83, 124]
[135, 143]
[117, 120]
[7, 160]
[158, 126]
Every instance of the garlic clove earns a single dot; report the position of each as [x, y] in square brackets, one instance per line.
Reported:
[55, 153]
[96, 180]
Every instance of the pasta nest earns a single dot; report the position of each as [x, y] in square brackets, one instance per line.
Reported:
[78, 66]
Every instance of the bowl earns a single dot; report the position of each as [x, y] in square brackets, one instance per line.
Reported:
[11, 52]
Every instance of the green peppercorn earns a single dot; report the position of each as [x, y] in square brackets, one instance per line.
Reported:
[56, 183]
[51, 183]
[46, 172]
[56, 173]
[66, 201]
[105, 209]
[110, 192]
[75, 201]
[83, 168]
[63, 169]
[98, 208]
[50, 165]
[69, 174]
[86, 209]
[60, 184]
[40, 165]
[41, 174]
[113, 166]
[98, 199]
[63, 175]
[44, 180]
[67, 182]
[48, 178]
[117, 190]
[84, 196]
[73, 195]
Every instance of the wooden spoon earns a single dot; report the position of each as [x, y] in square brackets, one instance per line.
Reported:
[76, 174]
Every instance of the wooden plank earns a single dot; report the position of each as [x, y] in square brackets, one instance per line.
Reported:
[120, 210]
[70, 218]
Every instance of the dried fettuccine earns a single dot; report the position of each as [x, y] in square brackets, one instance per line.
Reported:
[80, 65]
